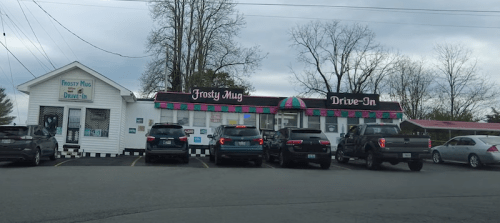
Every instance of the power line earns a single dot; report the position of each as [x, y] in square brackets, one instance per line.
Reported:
[107, 51]
[17, 59]
[47, 56]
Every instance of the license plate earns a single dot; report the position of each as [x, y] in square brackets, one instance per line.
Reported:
[406, 155]
[241, 143]
[311, 156]
[167, 142]
[5, 140]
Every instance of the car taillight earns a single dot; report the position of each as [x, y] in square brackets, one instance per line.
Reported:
[151, 138]
[381, 143]
[183, 139]
[224, 140]
[26, 137]
[492, 149]
[260, 140]
[240, 126]
[324, 142]
[294, 142]
[430, 144]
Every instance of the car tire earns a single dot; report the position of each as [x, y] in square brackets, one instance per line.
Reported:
[436, 157]
[147, 158]
[415, 165]
[339, 155]
[372, 162]
[474, 161]
[54, 156]
[186, 159]
[212, 156]
[284, 162]
[36, 159]
[326, 165]
[217, 158]
[258, 162]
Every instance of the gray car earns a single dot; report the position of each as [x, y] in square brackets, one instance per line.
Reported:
[476, 150]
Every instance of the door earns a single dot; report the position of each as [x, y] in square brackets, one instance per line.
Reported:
[288, 119]
[350, 142]
[447, 150]
[73, 133]
[40, 139]
[462, 150]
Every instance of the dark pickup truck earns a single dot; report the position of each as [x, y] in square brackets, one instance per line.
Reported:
[377, 143]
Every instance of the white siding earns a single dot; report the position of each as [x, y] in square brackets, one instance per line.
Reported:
[140, 109]
[105, 97]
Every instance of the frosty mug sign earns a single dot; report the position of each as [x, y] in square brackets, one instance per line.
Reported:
[353, 101]
[217, 95]
[76, 90]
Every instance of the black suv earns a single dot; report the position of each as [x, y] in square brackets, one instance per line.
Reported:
[301, 145]
[167, 140]
[236, 142]
[27, 143]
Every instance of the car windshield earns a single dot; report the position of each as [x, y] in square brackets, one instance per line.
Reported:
[163, 130]
[13, 131]
[247, 131]
[494, 140]
[377, 129]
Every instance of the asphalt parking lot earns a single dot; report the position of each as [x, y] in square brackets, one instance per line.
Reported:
[204, 162]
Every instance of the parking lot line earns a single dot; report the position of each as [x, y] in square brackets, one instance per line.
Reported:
[204, 164]
[135, 161]
[63, 162]
[341, 167]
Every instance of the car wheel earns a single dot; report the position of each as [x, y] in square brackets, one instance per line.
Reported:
[474, 161]
[436, 157]
[415, 165]
[217, 159]
[339, 156]
[258, 162]
[372, 162]
[54, 156]
[147, 158]
[283, 160]
[326, 165]
[36, 159]
[212, 156]
[186, 158]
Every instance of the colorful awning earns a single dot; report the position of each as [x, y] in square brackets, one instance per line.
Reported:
[292, 103]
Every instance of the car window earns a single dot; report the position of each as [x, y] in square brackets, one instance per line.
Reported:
[494, 140]
[172, 131]
[381, 129]
[466, 142]
[453, 142]
[308, 134]
[13, 131]
[252, 131]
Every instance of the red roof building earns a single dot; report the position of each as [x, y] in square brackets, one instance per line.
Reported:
[444, 130]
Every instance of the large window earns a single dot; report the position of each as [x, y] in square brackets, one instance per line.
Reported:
[352, 122]
[200, 118]
[97, 122]
[51, 118]
[215, 119]
[386, 120]
[167, 116]
[314, 122]
[183, 118]
[370, 120]
[331, 124]
[267, 121]
[249, 119]
[232, 118]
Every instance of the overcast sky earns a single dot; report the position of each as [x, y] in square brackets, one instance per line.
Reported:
[123, 26]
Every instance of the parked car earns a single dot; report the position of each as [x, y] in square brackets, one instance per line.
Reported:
[167, 140]
[379, 142]
[240, 142]
[27, 143]
[301, 145]
[476, 150]
[270, 141]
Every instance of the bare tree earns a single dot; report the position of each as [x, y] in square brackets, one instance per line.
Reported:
[462, 90]
[410, 84]
[192, 37]
[331, 51]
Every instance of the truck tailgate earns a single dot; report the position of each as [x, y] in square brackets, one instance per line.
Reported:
[407, 143]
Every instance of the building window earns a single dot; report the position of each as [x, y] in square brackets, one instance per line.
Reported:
[331, 124]
[267, 121]
[215, 119]
[167, 116]
[200, 118]
[232, 118]
[370, 120]
[352, 122]
[314, 122]
[51, 118]
[97, 122]
[183, 118]
[249, 119]
[386, 120]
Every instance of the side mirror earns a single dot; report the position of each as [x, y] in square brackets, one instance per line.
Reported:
[209, 136]
[342, 135]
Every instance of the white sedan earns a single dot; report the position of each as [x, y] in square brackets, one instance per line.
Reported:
[476, 150]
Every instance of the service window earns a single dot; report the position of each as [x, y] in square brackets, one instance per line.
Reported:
[51, 118]
[331, 124]
[200, 118]
[266, 121]
[97, 122]
[250, 119]
[215, 119]
[183, 118]
[232, 118]
[314, 122]
[167, 116]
